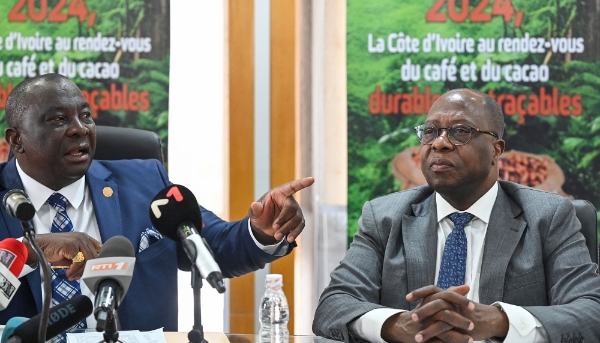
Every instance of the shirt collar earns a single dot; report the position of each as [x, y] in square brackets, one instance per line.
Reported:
[481, 209]
[39, 193]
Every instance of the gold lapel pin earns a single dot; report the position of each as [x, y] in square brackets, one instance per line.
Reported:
[107, 191]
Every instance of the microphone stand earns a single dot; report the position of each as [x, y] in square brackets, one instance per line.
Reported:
[29, 234]
[197, 333]
[107, 319]
[111, 334]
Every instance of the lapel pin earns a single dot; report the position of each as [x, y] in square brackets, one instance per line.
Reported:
[107, 191]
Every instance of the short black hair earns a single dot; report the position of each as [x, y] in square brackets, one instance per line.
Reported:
[18, 100]
[492, 109]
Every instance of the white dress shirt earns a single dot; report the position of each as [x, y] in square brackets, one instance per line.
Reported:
[81, 212]
[523, 328]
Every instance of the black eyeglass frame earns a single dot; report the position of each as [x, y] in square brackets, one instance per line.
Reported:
[438, 129]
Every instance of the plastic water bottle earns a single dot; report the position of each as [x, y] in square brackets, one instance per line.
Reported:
[274, 311]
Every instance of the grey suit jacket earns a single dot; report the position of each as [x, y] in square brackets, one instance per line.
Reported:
[534, 256]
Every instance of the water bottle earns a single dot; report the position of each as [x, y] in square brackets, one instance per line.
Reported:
[274, 312]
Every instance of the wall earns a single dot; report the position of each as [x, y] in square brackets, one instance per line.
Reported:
[198, 139]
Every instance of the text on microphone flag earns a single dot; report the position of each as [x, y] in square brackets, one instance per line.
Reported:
[7, 257]
[61, 313]
[109, 266]
[6, 287]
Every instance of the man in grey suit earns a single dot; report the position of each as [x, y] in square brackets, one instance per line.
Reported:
[466, 257]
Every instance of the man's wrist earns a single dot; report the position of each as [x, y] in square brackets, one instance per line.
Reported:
[32, 260]
[393, 329]
[262, 237]
[500, 323]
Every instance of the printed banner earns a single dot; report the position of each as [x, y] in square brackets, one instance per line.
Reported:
[539, 59]
[116, 51]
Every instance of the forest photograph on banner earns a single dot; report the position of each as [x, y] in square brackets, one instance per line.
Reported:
[116, 52]
[539, 59]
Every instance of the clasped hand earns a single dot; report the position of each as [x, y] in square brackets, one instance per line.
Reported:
[60, 248]
[445, 316]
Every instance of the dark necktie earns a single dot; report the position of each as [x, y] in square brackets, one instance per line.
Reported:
[454, 260]
[62, 288]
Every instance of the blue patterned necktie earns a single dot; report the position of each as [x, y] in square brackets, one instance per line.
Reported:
[62, 288]
[454, 260]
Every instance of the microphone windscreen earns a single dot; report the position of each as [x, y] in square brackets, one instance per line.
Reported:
[62, 317]
[173, 206]
[13, 255]
[10, 327]
[17, 204]
[117, 246]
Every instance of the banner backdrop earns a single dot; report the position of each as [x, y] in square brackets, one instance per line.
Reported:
[539, 59]
[116, 51]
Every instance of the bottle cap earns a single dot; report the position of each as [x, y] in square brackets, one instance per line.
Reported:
[274, 281]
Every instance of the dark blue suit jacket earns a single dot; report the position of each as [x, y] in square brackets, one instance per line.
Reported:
[151, 301]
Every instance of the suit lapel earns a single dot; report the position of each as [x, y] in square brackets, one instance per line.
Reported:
[105, 198]
[11, 180]
[503, 235]
[419, 234]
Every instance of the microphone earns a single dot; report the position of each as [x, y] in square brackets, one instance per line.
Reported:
[174, 212]
[13, 255]
[62, 317]
[109, 276]
[18, 205]
[10, 327]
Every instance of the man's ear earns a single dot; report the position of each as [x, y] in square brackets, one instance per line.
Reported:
[499, 145]
[13, 137]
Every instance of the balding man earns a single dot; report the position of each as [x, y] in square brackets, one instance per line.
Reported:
[466, 257]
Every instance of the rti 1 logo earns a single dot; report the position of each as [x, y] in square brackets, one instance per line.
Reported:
[173, 192]
[108, 266]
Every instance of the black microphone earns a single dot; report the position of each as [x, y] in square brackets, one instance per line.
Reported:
[174, 212]
[109, 277]
[18, 205]
[62, 317]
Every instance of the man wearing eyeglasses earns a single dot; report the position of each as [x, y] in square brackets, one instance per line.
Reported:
[466, 257]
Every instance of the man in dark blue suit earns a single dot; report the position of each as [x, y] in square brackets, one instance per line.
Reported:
[53, 136]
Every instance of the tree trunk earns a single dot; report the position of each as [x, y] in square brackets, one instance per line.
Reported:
[157, 25]
[588, 27]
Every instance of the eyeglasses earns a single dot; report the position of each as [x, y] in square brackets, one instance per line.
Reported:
[458, 134]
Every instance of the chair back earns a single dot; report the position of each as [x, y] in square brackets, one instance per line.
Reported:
[122, 143]
[586, 213]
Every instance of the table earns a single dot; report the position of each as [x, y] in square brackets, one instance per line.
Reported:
[219, 337]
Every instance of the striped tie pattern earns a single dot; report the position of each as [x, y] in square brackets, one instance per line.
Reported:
[62, 288]
[454, 259]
